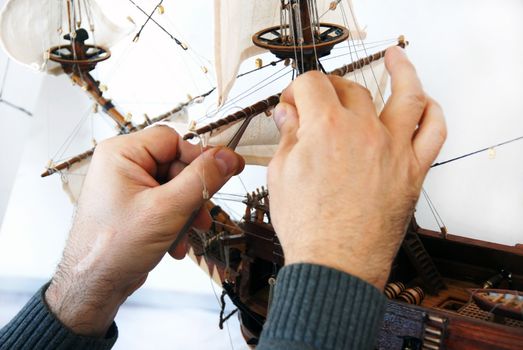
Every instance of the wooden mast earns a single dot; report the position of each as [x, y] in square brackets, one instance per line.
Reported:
[87, 82]
[78, 158]
[310, 60]
[305, 20]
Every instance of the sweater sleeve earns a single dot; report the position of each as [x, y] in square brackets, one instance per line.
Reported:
[35, 327]
[316, 307]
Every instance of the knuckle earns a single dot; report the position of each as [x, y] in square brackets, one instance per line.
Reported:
[110, 144]
[440, 133]
[332, 117]
[310, 77]
[374, 136]
[416, 100]
[104, 146]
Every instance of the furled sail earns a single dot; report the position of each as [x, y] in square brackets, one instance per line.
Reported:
[237, 20]
[40, 25]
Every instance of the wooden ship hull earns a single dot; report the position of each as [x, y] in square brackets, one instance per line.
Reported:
[433, 309]
[448, 317]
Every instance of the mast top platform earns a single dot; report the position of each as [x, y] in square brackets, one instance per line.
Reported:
[77, 55]
[300, 35]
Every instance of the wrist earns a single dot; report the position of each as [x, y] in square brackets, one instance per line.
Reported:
[366, 264]
[376, 275]
[85, 306]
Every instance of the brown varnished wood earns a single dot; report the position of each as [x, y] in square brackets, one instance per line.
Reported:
[67, 164]
[458, 330]
[465, 333]
[305, 21]
[251, 111]
[87, 82]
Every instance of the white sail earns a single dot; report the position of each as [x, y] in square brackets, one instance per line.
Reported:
[237, 20]
[29, 28]
[73, 179]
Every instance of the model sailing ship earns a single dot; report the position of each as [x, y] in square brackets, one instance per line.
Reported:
[438, 281]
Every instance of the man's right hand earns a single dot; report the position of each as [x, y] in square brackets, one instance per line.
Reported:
[344, 182]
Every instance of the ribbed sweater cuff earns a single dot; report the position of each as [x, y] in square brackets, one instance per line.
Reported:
[316, 307]
[35, 327]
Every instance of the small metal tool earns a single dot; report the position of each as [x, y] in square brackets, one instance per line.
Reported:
[187, 227]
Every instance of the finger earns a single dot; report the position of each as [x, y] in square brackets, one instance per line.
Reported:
[313, 94]
[209, 172]
[430, 135]
[203, 220]
[180, 250]
[154, 146]
[353, 96]
[286, 119]
[175, 169]
[405, 107]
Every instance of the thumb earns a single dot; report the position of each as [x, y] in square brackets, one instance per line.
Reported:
[286, 119]
[206, 174]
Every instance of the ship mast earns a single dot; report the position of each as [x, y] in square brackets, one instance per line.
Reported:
[310, 62]
[265, 105]
[78, 59]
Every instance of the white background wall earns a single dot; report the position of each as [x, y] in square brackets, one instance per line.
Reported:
[468, 54]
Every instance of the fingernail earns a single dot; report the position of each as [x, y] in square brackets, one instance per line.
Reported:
[280, 112]
[226, 161]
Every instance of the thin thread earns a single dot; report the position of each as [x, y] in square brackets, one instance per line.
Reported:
[65, 145]
[346, 21]
[476, 152]
[205, 256]
[433, 210]
[18, 108]
[346, 54]
[149, 17]
[234, 227]
[366, 54]
[4, 78]
[244, 94]
[273, 63]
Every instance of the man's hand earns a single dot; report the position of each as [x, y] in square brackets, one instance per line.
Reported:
[139, 192]
[344, 182]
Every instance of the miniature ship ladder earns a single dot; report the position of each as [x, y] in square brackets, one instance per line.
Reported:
[422, 263]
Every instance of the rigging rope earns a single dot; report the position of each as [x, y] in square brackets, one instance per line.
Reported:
[2, 89]
[433, 210]
[273, 63]
[476, 152]
[149, 18]
[18, 108]
[4, 78]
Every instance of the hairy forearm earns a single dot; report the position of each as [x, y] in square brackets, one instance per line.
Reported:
[81, 304]
[81, 295]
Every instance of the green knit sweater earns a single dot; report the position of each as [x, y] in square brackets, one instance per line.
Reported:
[314, 307]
